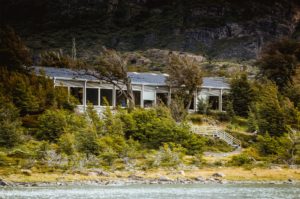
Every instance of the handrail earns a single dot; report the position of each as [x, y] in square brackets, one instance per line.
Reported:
[216, 132]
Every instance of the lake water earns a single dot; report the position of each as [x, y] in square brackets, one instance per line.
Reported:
[206, 191]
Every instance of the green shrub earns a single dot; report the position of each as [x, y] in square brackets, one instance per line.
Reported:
[169, 155]
[54, 123]
[269, 114]
[66, 143]
[203, 106]
[195, 118]
[87, 141]
[241, 160]
[5, 160]
[10, 124]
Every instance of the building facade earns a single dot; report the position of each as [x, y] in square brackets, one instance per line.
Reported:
[149, 89]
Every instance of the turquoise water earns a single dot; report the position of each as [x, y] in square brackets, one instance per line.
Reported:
[206, 191]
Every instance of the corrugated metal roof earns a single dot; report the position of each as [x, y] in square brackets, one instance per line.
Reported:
[136, 78]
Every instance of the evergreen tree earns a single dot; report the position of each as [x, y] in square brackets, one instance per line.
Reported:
[279, 62]
[10, 124]
[241, 95]
[13, 52]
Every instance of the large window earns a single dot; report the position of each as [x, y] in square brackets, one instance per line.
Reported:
[162, 98]
[214, 102]
[77, 92]
[106, 94]
[137, 98]
[92, 96]
[121, 99]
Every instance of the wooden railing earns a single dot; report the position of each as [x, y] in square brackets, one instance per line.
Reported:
[216, 132]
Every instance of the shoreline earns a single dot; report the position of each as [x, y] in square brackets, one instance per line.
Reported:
[98, 177]
[126, 182]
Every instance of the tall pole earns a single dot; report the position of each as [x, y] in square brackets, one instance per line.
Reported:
[74, 56]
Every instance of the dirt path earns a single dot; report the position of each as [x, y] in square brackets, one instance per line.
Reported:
[222, 155]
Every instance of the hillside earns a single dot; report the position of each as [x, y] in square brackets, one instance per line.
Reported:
[218, 29]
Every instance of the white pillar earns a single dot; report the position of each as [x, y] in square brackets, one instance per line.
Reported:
[99, 97]
[142, 96]
[114, 98]
[155, 100]
[54, 81]
[221, 100]
[69, 93]
[84, 95]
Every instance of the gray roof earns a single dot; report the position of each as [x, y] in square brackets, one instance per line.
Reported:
[136, 78]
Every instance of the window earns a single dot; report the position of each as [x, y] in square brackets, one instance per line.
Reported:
[92, 96]
[106, 94]
[137, 98]
[121, 99]
[148, 103]
[214, 102]
[77, 92]
[162, 98]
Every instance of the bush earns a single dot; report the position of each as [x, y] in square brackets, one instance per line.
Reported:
[66, 143]
[280, 149]
[52, 124]
[87, 141]
[10, 124]
[203, 106]
[269, 114]
[241, 160]
[195, 118]
[169, 155]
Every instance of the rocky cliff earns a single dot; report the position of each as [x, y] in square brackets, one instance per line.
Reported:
[218, 29]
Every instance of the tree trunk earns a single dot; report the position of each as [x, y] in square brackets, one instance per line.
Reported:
[130, 95]
[190, 99]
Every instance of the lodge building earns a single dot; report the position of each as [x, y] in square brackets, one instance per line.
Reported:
[149, 89]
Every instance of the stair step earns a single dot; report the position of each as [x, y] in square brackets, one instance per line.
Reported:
[215, 132]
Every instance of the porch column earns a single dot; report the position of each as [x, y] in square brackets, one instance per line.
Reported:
[114, 97]
[155, 100]
[69, 93]
[99, 97]
[54, 81]
[221, 100]
[84, 95]
[142, 96]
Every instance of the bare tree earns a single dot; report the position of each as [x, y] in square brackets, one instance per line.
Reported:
[112, 68]
[185, 76]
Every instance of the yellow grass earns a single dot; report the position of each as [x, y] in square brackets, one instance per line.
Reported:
[231, 173]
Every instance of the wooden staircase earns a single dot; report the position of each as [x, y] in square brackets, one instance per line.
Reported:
[217, 132]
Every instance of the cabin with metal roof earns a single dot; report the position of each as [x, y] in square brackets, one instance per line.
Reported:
[149, 89]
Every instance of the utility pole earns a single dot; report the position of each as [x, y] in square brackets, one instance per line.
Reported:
[74, 49]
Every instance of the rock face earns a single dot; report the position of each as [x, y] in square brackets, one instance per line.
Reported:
[220, 29]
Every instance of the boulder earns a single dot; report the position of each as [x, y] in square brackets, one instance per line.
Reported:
[181, 172]
[3, 183]
[200, 179]
[135, 177]
[26, 172]
[218, 175]
[92, 174]
[164, 179]
[99, 172]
